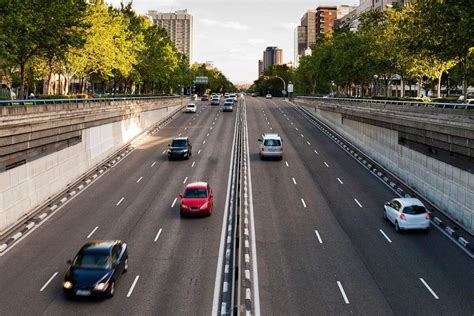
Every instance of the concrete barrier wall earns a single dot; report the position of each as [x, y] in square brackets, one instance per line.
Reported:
[448, 187]
[25, 187]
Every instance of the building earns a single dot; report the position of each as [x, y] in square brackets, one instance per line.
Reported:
[350, 20]
[179, 26]
[272, 56]
[325, 17]
[260, 68]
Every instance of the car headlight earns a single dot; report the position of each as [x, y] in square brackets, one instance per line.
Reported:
[101, 286]
[204, 206]
[67, 285]
[184, 206]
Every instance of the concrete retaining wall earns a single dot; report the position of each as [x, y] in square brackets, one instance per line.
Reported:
[450, 188]
[25, 187]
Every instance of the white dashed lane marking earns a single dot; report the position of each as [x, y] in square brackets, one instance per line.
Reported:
[429, 288]
[294, 181]
[153, 164]
[92, 232]
[344, 296]
[358, 203]
[119, 202]
[133, 286]
[303, 202]
[49, 281]
[193, 164]
[340, 181]
[325, 163]
[319, 237]
[174, 202]
[286, 162]
[385, 235]
[186, 179]
[140, 179]
[157, 235]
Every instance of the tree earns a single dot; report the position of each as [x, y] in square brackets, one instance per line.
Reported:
[30, 28]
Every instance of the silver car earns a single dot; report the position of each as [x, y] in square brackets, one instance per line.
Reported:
[271, 146]
[407, 213]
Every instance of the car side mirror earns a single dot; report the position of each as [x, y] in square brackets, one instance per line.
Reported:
[169, 145]
[259, 140]
[69, 262]
[181, 195]
[387, 203]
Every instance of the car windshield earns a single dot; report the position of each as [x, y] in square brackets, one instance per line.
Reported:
[178, 143]
[414, 210]
[91, 261]
[195, 193]
[191, 105]
[272, 142]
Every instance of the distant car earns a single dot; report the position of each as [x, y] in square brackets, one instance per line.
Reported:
[271, 146]
[204, 97]
[233, 96]
[96, 268]
[268, 96]
[407, 213]
[254, 94]
[215, 101]
[228, 105]
[197, 199]
[191, 108]
[180, 148]
[226, 95]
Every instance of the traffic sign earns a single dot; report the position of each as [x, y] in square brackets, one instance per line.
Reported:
[201, 80]
[290, 87]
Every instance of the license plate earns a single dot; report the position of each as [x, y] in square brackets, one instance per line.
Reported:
[272, 149]
[83, 292]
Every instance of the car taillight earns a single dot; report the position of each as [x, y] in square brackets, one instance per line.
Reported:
[403, 216]
[427, 216]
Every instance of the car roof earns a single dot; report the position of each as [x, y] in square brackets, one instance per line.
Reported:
[199, 184]
[99, 245]
[181, 138]
[191, 104]
[409, 201]
[271, 136]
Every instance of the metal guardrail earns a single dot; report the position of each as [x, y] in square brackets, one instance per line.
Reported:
[462, 106]
[65, 101]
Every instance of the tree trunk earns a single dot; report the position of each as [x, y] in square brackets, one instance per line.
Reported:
[21, 95]
[464, 81]
[439, 85]
[420, 83]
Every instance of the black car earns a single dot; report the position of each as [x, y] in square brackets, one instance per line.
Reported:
[96, 268]
[180, 148]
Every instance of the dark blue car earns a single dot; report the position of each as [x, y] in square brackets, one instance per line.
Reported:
[96, 268]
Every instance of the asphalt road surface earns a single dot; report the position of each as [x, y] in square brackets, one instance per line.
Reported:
[322, 245]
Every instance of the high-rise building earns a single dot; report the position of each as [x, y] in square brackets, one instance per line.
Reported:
[325, 16]
[272, 56]
[260, 68]
[179, 26]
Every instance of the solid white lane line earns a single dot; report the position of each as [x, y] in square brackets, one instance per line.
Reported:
[121, 200]
[49, 281]
[319, 237]
[342, 292]
[294, 181]
[174, 202]
[286, 162]
[92, 232]
[358, 203]
[199, 151]
[133, 286]
[429, 288]
[340, 181]
[140, 179]
[185, 179]
[325, 163]
[194, 162]
[304, 204]
[386, 237]
[154, 163]
[157, 235]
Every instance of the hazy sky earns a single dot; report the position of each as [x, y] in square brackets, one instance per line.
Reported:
[233, 33]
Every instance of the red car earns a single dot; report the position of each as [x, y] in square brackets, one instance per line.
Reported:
[197, 199]
[204, 97]
[254, 94]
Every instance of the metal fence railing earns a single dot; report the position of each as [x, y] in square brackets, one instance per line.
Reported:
[420, 104]
[66, 101]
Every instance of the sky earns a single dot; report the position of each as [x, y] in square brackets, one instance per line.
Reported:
[234, 33]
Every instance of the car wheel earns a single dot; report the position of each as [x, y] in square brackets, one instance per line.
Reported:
[112, 289]
[397, 227]
[125, 265]
[385, 215]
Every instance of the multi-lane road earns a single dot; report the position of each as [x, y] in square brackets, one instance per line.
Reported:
[321, 244]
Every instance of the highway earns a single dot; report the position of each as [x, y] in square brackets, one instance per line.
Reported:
[322, 246]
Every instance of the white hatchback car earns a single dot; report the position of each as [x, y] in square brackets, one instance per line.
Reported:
[191, 108]
[407, 213]
[271, 146]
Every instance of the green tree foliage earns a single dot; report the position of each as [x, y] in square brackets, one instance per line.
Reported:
[32, 28]
[217, 82]
[271, 82]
